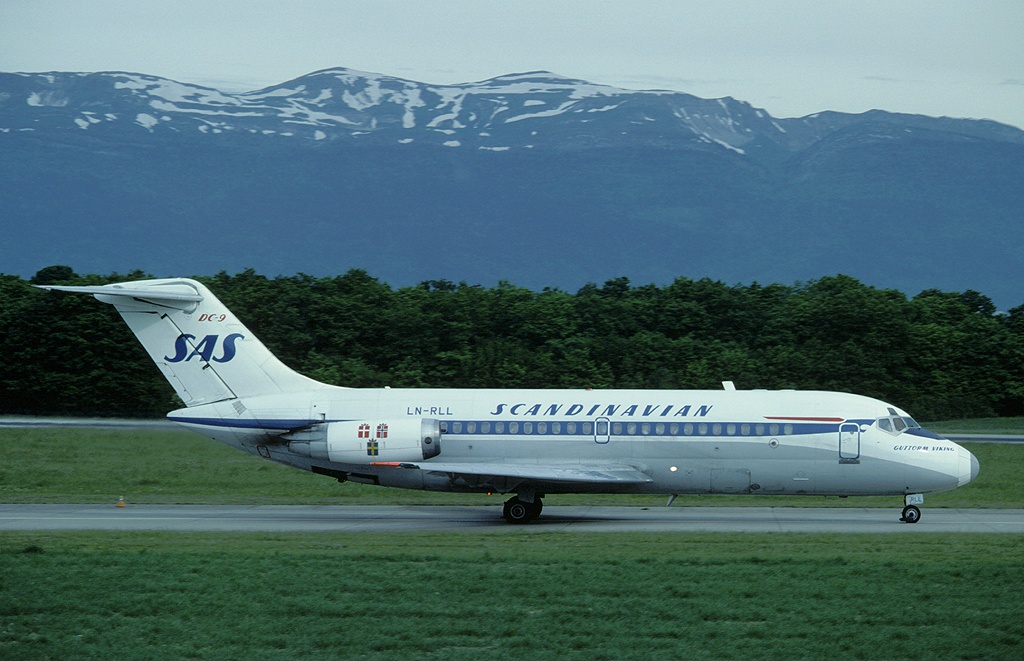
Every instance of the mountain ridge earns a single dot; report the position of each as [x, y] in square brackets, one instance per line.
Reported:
[477, 181]
[304, 102]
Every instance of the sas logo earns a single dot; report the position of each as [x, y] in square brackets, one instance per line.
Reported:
[184, 351]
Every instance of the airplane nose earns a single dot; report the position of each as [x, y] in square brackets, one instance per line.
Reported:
[969, 466]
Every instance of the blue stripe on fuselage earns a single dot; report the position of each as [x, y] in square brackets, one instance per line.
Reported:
[562, 428]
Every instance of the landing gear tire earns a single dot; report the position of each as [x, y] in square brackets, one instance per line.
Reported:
[519, 511]
[911, 514]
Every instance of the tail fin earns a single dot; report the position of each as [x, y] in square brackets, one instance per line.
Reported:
[203, 350]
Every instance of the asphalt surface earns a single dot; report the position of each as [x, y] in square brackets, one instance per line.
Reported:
[478, 519]
[28, 422]
[986, 438]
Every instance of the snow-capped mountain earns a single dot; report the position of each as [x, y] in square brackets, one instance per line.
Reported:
[533, 178]
[343, 104]
[517, 111]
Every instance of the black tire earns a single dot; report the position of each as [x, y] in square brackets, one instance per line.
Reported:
[517, 511]
[911, 514]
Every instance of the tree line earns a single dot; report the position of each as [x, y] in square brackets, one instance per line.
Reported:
[939, 355]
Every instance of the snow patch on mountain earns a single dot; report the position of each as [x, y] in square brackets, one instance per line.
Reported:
[146, 121]
[544, 113]
[172, 91]
[47, 100]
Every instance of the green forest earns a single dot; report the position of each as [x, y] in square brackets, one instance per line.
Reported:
[939, 355]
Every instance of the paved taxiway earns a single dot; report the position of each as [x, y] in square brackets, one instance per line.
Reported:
[477, 519]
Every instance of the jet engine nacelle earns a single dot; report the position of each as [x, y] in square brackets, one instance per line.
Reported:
[364, 441]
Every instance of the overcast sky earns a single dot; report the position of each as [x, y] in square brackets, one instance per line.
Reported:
[790, 57]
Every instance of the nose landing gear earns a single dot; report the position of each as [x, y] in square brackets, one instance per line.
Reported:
[911, 511]
[911, 514]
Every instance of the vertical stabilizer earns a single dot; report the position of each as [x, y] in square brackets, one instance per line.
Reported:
[203, 349]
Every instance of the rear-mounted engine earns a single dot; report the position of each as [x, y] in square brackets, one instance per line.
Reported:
[364, 442]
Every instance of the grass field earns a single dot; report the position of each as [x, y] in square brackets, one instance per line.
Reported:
[527, 594]
[158, 466]
[518, 596]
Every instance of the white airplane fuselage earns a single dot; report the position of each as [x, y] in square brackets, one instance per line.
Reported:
[527, 442]
[686, 442]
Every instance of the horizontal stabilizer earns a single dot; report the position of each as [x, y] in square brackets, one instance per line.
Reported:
[173, 295]
[576, 473]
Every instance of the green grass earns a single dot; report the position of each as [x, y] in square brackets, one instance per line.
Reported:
[518, 596]
[525, 594]
[157, 466]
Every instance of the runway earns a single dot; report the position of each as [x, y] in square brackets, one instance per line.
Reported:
[487, 519]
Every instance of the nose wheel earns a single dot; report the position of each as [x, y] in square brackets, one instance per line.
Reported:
[911, 511]
[520, 511]
[911, 514]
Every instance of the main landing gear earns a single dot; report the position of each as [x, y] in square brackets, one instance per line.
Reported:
[911, 511]
[520, 511]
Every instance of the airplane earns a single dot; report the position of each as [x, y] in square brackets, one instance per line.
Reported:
[527, 442]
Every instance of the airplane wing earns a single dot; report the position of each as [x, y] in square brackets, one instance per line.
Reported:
[575, 473]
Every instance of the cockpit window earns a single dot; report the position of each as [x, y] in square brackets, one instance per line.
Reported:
[894, 424]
